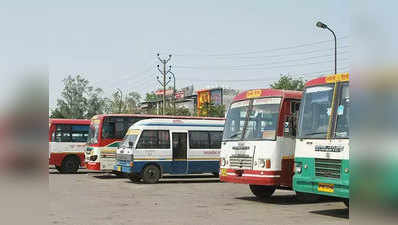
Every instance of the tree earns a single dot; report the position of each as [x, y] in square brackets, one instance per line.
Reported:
[286, 82]
[129, 104]
[212, 110]
[180, 111]
[150, 97]
[78, 100]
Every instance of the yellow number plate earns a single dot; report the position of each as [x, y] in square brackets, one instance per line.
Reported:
[223, 172]
[119, 168]
[329, 188]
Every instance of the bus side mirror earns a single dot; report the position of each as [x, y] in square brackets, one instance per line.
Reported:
[290, 126]
[131, 144]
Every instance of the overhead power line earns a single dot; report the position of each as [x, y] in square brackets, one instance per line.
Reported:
[262, 51]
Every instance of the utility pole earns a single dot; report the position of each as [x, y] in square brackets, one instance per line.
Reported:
[164, 83]
[174, 90]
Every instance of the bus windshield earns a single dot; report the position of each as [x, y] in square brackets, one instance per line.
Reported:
[254, 119]
[316, 111]
[116, 127]
[93, 133]
[130, 138]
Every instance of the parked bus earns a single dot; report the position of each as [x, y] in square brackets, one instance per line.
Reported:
[322, 146]
[106, 133]
[154, 147]
[259, 139]
[67, 143]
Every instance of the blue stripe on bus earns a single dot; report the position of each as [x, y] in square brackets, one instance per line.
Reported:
[172, 167]
[181, 125]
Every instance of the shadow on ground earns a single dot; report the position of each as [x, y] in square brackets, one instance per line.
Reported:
[339, 213]
[283, 200]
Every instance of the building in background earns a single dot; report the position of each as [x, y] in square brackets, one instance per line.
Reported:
[188, 98]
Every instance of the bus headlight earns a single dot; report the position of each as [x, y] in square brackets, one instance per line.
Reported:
[93, 157]
[298, 168]
[223, 162]
[261, 163]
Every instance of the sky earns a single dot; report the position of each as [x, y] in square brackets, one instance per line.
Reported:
[237, 44]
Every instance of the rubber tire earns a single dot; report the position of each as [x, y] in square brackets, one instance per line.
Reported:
[307, 197]
[347, 202]
[151, 174]
[70, 165]
[262, 192]
[135, 178]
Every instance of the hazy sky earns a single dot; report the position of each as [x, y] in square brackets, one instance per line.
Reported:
[239, 44]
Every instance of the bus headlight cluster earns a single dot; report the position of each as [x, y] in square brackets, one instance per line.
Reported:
[298, 168]
[223, 162]
[261, 163]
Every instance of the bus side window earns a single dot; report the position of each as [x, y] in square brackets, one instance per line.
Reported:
[79, 133]
[62, 133]
[215, 139]
[164, 139]
[148, 140]
[198, 140]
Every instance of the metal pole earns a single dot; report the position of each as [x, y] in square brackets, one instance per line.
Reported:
[335, 50]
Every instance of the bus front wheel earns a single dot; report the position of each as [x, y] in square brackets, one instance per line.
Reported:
[261, 191]
[70, 165]
[151, 174]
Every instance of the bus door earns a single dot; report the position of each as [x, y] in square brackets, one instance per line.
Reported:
[179, 164]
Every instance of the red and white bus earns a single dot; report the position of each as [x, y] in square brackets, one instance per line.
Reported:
[259, 140]
[67, 143]
[107, 132]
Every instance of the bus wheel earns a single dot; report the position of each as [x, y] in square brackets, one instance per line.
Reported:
[347, 202]
[135, 178]
[151, 174]
[307, 197]
[261, 191]
[70, 165]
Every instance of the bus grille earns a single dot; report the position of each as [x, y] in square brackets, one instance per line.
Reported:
[328, 168]
[241, 162]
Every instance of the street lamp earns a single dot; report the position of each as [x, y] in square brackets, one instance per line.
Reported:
[174, 90]
[324, 26]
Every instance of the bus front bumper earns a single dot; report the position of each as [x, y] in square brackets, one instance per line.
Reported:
[321, 186]
[255, 177]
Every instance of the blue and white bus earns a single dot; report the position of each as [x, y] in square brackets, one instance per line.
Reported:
[154, 147]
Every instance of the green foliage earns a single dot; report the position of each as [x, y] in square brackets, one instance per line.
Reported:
[78, 99]
[180, 111]
[128, 104]
[286, 82]
[211, 110]
[150, 97]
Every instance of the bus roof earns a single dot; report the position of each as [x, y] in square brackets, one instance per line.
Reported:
[258, 93]
[157, 116]
[70, 121]
[179, 123]
[341, 77]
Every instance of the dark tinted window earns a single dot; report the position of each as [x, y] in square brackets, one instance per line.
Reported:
[198, 139]
[215, 139]
[116, 127]
[154, 139]
[71, 133]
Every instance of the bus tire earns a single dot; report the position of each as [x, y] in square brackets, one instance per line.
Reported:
[261, 191]
[135, 178]
[151, 174]
[70, 164]
[307, 197]
[347, 202]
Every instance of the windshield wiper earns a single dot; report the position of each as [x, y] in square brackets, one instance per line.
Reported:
[235, 134]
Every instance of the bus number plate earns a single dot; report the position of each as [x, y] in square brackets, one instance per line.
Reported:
[322, 187]
[223, 172]
[119, 168]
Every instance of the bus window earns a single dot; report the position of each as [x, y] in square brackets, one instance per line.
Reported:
[62, 133]
[198, 139]
[79, 133]
[154, 139]
[215, 139]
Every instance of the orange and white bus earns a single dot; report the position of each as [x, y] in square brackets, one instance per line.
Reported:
[259, 140]
[107, 132]
[67, 143]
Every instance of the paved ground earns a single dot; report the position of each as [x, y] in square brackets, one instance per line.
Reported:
[91, 198]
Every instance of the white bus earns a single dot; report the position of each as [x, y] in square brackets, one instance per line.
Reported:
[153, 147]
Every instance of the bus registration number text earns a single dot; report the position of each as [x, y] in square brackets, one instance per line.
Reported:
[322, 187]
